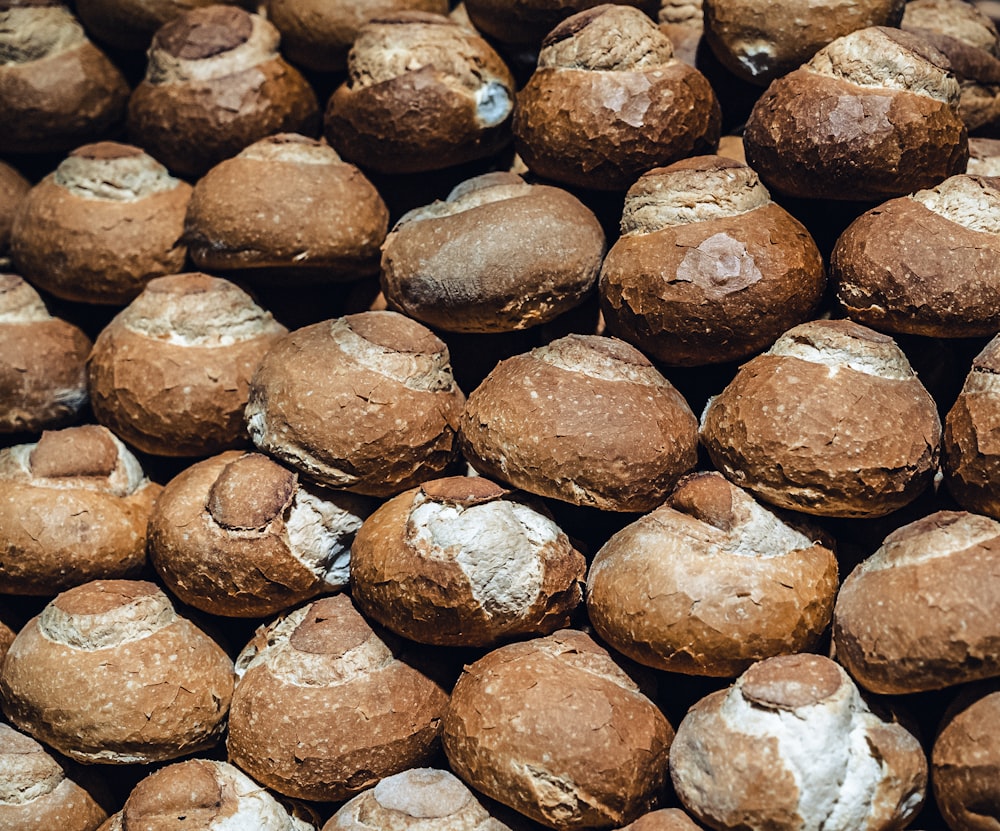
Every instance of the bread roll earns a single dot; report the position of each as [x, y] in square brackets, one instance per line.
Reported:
[955, 18]
[710, 582]
[597, 117]
[109, 673]
[830, 421]
[555, 729]
[216, 83]
[871, 116]
[324, 709]
[238, 535]
[585, 419]
[389, 381]
[115, 216]
[13, 188]
[43, 377]
[667, 819]
[792, 745]
[894, 638]
[462, 562]
[497, 255]
[171, 372]
[708, 268]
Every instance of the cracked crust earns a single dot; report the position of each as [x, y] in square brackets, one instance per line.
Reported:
[895, 640]
[117, 646]
[789, 427]
[556, 730]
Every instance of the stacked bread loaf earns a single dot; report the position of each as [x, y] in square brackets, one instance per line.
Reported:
[414, 416]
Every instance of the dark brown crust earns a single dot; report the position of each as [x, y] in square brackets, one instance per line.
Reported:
[527, 22]
[98, 251]
[192, 127]
[204, 33]
[787, 433]
[250, 492]
[60, 102]
[880, 143]
[564, 130]
[904, 268]
[712, 291]
[13, 188]
[185, 792]
[542, 727]
[895, 638]
[978, 73]
[615, 445]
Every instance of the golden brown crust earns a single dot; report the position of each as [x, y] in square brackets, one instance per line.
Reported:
[553, 728]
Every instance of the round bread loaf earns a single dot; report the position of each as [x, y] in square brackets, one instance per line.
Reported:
[585, 419]
[792, 745]
[666, 819]
[597, 116]
[43, 376]
[37, 793]
[971, 460]
[73, 508]
[13, 188]
[171, 372]
[389, 382]
[324, 707]
[216, 83]
[110, 673]
[420, 799]
[555, 729]
[759, 42]
[831, 421]
[57, 90]
[965, 764]
[894, 638]
[708, 268]
[497, 255]
[955, 18]
[239, 535]
[871, 116]
[710, 582]
[203, 795]
[287, 208]
[927, 263]
[318, 34]
[462, 562]
[422, 93]
[115, 217]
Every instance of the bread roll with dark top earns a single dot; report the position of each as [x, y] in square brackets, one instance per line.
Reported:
[13, 188]
[446, 264]
[831, 421]
[760, 42]
[57, 90]
[324, 708]
[609, 101]
[287, 208]
[871, 116]
[318, 34]
[422, 93]
[73, 508]
[109, 673]
[239, 535]
[971, 457]
[708, 268]
[420, 799]
[555, 729]
[463, 562]
[927, 263]
[131, 24]
[389, 381]
[894, 639]
[37, 793]
[115, 217]
[171, 372]
[43, 379]
[586, 419]
[956, 18]
[710, 582]
[792, 745]
[203, 795]
[965, 764]
[216, 83]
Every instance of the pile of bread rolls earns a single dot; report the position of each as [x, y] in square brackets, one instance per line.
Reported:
[420, 416]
